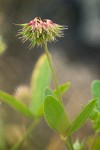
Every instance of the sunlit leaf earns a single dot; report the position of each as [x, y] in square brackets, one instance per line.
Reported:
[3, 46]
[41, 78]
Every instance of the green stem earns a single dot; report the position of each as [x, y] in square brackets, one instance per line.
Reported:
[70, 144]
[52, 70]
[26, 134]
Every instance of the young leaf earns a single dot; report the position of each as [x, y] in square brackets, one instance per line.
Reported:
[62, 88]
[95, 88]
[47, 92]
[55, 115]
[41, 78]
[18, 106]
[81, 117]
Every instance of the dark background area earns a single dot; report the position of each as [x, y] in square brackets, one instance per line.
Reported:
[76, 57]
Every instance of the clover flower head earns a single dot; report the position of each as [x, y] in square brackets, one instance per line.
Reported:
[38, 31]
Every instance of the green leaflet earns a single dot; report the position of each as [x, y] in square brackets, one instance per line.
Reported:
[41, 78]
[14, 103]
[95, 88]
[55, 115]
[95, 114]
[81, 117]
[62, 88]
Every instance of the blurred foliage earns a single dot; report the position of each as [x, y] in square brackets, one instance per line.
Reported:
[94, 141]
[16, 104]
[28, 101]
[95, 115]
[77, 145]
[2, 136]
[40, 79]
[3, 46]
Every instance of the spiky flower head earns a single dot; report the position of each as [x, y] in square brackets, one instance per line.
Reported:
[38, 31]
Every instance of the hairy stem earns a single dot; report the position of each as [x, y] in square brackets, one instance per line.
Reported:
[52, 70]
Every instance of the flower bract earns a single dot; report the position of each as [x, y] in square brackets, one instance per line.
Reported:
[38, 31]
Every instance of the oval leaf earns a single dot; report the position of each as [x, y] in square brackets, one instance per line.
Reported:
[55, 115]
[18, 106]
[81, 117]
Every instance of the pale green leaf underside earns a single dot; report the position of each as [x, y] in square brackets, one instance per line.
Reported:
[41, 78]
